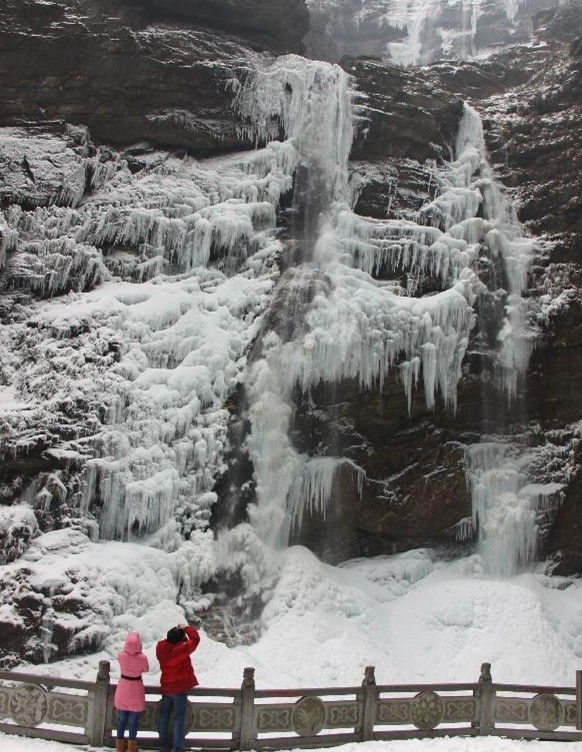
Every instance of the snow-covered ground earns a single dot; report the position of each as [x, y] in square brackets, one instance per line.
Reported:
[492, 744]
[414, 618]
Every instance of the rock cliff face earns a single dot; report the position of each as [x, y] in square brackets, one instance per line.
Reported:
[418, 33]
[115, 120]
[128, 73]
[415, 461]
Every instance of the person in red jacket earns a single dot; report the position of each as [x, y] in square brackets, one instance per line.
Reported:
[178, 677]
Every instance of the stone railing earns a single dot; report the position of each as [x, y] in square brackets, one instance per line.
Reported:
[82, 712]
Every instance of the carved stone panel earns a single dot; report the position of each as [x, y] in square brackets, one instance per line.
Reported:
[426, 710]
[343, 714]
[28, 705]
[275, 719]
[393, 711]
[147, 718]
[213, 718]
[459, 710]
[68, 710]
[546, 712]
[308, 716]
[569, 713]
[4, 701]
[509, 710]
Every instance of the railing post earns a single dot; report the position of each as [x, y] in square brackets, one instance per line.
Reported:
[369, 698]
[486, 697]
[98, 706]
[579, 700]
[247, 723]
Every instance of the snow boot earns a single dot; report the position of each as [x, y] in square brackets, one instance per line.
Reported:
[132, 745]
[120, 745]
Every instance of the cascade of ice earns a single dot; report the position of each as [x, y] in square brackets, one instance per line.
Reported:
[504, 508]
[349, 326]
[415, 16]
[504, 236]
[46, 630]
[310, 104]
[425, 24]
[352, 326]
[504, 518]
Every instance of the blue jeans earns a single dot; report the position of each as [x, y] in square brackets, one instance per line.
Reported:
[178, 704]
[127, 718]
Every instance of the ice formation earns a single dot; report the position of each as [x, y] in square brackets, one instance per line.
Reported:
[212, 310]
[352, 326]
[505, 505]
[310, 103]
[503, 512]
[430, 29]
[171, 350]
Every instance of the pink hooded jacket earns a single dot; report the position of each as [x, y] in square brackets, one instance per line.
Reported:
[130, 693]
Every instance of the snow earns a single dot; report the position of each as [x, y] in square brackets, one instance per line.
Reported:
[412, 616]
[496, 744]
[177, 345]
[416, 619]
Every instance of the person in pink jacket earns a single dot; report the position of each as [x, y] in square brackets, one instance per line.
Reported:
[129, 698]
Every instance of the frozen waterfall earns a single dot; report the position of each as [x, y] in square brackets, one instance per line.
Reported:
[505, 505]
[349, 325]
[504, 514]
[222, 305]
[422, 31]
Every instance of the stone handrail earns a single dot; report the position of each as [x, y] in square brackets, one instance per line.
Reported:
[81, 712]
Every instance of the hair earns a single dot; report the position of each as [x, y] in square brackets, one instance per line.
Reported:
[176, 634]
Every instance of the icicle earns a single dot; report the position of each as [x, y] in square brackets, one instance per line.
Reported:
[313, 491]
[311, 103]
[504, 507]
[504, 236]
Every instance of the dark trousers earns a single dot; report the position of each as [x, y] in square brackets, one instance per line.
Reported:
[178, 704]
[127, 718]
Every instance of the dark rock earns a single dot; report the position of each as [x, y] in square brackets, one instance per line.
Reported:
[126, 77]
[405, 113]
[278, 24]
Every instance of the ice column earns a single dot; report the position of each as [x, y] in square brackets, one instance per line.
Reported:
[504, 511]
[504, 236]
[310, 104]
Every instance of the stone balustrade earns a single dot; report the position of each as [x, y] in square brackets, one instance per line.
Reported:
[81, 712]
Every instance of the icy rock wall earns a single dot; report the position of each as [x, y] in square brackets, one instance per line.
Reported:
[356, 327]
[170, 351]
[418, 32]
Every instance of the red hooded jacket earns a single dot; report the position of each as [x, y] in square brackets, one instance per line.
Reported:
[177, 672]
